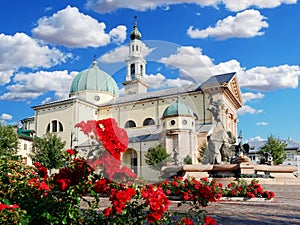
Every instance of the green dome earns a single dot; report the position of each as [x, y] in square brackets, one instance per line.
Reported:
[177, 109]
[94, 79]
[135, 34]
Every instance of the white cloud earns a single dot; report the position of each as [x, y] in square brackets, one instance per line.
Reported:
[191, 63]
[178, 82]
[227, 67]
[119, 54]
[262, 124]
[248, 109]
[5, 116]
[46, 100]
[71, 28]
[244, 25]
[155, 81]
[267, 79]
[249, 96]
[20, 96]
[33, 85]
[118, 35]
[194, 65]
[20, 50]
[257, 138]
[5, 76]
[159, 81]
[234, 5]
[104, 6]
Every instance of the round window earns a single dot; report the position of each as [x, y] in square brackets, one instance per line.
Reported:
[184, 122]
[97, 97]
[172, 122]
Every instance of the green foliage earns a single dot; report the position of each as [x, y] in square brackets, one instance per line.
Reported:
[8, 141]
[274, 147]
[201, 150]
[49, 151]
[157, 157]
[188, 160]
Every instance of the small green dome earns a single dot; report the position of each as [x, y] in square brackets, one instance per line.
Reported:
[94, 79]
[135, 34]
[177, 109]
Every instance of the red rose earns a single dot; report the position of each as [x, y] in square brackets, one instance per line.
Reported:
[186, 221]
[70, 151]
[107, 212]
[37, 164]
[100, 186]
[209, 221]
[63, 184]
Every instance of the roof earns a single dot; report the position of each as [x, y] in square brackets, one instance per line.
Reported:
[148, 95]
[255, 146]
[64, 101]
[151, 95]
[25, 134]
[291, 144]
[219, 79]
[143, 138]
[94, 79]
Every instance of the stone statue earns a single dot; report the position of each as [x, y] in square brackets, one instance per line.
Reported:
[214, 108]
[219, 147]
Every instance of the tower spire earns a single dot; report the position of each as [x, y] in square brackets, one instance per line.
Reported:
[135, 34]
[95, 63]
[136, 64]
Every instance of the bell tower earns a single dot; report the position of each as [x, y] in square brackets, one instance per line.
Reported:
[136, 64]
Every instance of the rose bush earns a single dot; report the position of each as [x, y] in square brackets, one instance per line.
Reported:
[241, 188]
[28, 195]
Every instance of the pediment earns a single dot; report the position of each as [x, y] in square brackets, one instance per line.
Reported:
[235, 90]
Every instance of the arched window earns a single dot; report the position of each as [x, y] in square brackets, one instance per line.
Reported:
[48, 128]
[132, 69]
[142, 68]
[148, 121]
[60, 127]
[130, 123]
[54, 126]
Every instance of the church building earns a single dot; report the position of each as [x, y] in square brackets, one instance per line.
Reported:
[180, 119]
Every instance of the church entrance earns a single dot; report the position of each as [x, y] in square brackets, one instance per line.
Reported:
[130, 158]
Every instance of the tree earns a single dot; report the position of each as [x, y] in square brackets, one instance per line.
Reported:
[188, 160]
[8, 141]
[201, 151]
[157, 157]
[48, 151]
[275, 148]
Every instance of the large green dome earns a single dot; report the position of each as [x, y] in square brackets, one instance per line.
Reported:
[177, 109]
[94, 79]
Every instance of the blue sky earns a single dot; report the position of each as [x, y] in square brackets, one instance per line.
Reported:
[44, 44]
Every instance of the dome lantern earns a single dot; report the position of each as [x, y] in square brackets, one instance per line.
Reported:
[135, 34]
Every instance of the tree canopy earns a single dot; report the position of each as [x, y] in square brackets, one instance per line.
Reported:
[8, 140]
[275, 148]
[157, 157]
[48, 151]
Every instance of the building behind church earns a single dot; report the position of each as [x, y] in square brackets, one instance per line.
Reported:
[179, 118]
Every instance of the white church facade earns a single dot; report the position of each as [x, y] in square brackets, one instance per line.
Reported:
[178, 118]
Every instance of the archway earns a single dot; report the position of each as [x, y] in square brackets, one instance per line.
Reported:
[130, 159]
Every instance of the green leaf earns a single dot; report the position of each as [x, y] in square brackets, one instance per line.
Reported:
[6, 201]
